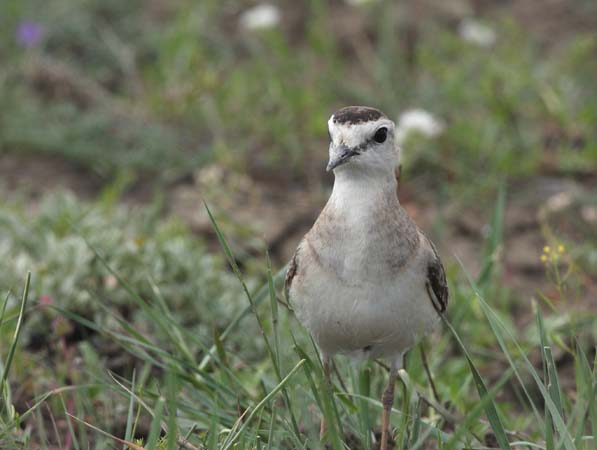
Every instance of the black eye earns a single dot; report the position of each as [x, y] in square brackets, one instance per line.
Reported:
[381, 135]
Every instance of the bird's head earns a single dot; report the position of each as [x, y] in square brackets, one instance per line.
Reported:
[362, 141]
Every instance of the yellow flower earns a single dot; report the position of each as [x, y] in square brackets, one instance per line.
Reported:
[546, 249]
[561, 248]
[543, 258]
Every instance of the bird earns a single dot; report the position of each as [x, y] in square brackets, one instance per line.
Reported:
[364, 280]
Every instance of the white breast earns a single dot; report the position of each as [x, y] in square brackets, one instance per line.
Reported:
[354, 290]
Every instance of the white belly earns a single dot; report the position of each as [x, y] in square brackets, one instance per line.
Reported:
[359, 316]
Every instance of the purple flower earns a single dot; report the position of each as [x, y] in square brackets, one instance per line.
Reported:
[29, 34]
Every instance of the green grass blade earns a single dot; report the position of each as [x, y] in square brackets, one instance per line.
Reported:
[140, 346]
[364, 389]
[542, 336]
[172, 389]
[328, 405]
[276, 349]
[274, 308]
[405, 418]
[156, 424]
[4, 305]
[309, 368]
[553, 381]
[262, 403]
[229, 256]
[212, 435]
[497, 325]
[527, 444]
[261, 295]
[270, 433]
[274, 355]
[42, 399]
[130, 417]
[176, 335]
[428, 428]
[508, 356]
[69, 423]
[330, 413]
[590, 381]
[15, 337]
[416, 428]
[158, 317]
[549, 439]
[490, 408]
[495, 238]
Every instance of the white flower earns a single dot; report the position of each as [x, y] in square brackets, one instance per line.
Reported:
[474, 32]
[259, 17]
[420, 121]
[559, 201]
[589, 213]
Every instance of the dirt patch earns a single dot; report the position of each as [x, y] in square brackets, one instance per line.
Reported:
[550, 21]
[28, 177]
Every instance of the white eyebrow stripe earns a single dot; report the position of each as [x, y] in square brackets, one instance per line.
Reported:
[355, 135]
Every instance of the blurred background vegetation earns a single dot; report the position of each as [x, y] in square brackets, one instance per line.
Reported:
[119, 118]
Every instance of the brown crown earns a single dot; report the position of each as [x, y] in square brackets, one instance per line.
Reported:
[356, 114]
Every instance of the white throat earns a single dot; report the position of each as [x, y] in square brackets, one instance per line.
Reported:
[362, 191]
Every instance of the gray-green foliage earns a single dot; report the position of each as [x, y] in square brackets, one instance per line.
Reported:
[140, 247]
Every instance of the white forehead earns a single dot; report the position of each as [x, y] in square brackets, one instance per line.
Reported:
[353, 134]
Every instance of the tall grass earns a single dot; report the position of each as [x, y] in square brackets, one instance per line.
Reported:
[189, 393]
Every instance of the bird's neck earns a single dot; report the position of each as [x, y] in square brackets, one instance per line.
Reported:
[363, 191]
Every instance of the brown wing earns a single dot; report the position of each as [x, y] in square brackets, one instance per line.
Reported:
[436, 284]
[290, 273]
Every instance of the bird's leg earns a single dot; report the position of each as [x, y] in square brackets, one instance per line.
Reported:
[328, 380]
[387, 401]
